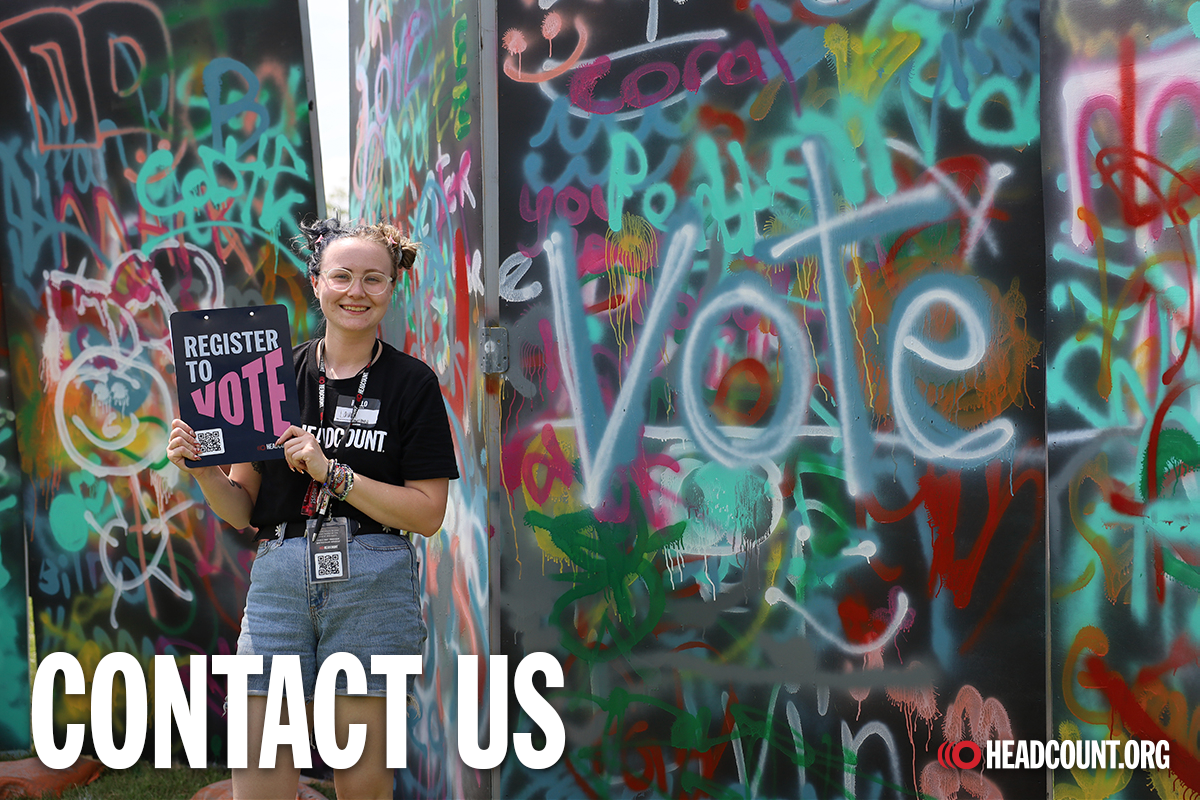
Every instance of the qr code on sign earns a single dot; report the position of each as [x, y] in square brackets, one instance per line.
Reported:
[329, 565]
[212, 442]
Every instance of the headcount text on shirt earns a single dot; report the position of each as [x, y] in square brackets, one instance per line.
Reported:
[187, 708]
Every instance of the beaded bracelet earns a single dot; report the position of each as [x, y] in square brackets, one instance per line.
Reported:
[339, 475]
[347, 482]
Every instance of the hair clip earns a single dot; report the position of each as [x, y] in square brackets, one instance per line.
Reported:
[320, 238]
[392, 241]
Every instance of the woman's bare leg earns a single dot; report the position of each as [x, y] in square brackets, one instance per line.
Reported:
[370, 778]
[255, 783]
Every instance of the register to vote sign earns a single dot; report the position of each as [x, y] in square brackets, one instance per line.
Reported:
[237, 383]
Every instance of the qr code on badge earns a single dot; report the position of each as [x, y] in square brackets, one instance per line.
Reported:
[212, 442]
[329, 565]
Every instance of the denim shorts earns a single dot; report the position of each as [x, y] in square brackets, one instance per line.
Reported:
[376, 612]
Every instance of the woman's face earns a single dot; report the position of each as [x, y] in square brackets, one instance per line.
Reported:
[354, 309]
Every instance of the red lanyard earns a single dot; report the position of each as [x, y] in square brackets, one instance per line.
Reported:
[358, 398]
[316, 499]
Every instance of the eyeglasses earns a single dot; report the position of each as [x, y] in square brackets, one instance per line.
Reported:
[340, 280]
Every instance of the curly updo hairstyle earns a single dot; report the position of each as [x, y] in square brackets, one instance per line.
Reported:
[317, 235]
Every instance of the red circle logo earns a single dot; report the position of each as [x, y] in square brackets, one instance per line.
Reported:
[959, 755]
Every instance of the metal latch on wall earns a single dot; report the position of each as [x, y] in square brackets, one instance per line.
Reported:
[493, 350]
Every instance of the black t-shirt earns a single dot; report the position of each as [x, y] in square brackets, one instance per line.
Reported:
[401, 432]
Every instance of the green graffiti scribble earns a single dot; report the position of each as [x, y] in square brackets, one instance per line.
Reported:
[818, 561]
[623, 178]
[843, 158]
[68, 511]
[713, 199]
[788, 176]
[610, 568]
[461, 93]
[1128, 388]
[728, 507]
[1026, 124]
[65, 631]
[1177, 450]
[658, 203]
[14, 665]
[1181, 571]
[702, 740]
[207, 186]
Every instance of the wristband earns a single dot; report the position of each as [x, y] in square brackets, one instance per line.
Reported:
[347, 482]
[339, 480]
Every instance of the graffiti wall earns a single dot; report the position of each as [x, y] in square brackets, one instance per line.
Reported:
[784, 361]
[1121, 186]
[14, 625]
[772, 431]
[416, 161]
[154, 157]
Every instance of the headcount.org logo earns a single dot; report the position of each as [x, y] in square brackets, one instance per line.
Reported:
[1067, 754]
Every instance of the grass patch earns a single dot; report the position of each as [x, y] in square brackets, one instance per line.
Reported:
[140, 782]
[143, 782]
[325, 789]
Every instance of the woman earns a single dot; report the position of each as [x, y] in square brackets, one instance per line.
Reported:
[373, 449]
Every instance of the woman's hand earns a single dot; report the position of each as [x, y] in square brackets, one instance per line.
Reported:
[303, 454]
[417, 506]
[230, 491]
[182, 445]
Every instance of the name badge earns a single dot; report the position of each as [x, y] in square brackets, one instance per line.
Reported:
[328, 546]
[367, 416]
